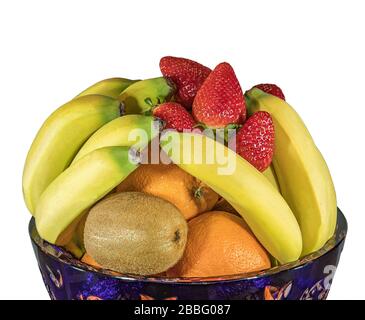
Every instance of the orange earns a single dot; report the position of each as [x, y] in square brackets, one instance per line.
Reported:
[86, 258]
[173, 184]
[90, 261]
[219, 243]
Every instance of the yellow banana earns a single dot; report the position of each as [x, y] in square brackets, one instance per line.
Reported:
[59, 138]
[129, 130]
[141, 96]
[244, 187]
[112, 87]
[78, 188]
[303, 175]
[270, 174]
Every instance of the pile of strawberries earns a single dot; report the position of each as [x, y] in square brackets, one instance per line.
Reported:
[214, 99]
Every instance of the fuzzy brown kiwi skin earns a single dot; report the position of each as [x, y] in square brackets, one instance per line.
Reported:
[136, 233]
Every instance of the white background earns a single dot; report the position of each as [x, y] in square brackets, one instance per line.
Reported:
[51, 50]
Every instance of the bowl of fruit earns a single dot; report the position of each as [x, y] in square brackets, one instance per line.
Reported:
[181, 187]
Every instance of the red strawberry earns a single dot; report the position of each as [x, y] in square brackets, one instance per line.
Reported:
[220, 100]
[271, 89]
[255, 141]
[187, 75]
[175, 116]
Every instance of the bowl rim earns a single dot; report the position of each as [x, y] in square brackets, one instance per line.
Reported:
[331, 245]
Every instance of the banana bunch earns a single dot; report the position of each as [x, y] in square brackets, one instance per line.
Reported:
[59, 139]
[85, 149]
[304, 179]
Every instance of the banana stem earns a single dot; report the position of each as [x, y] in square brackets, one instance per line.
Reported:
[122, 109]
[251, 97]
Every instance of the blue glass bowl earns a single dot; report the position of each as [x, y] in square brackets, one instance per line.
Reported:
[310, 278]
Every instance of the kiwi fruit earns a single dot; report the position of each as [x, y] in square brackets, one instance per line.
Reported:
[134, 232]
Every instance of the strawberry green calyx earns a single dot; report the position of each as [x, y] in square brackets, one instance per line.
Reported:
[222, 134]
